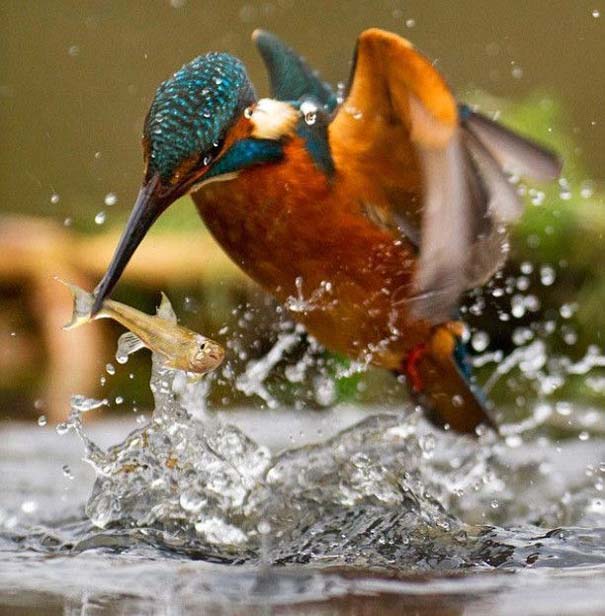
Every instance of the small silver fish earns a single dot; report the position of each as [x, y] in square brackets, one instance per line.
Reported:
[182, 348]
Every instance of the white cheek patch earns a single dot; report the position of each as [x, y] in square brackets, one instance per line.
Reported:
[273, 119]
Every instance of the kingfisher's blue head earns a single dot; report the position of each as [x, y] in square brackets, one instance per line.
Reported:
[192, 112]
[188, 139]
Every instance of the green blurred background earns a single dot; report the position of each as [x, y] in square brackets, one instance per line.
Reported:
[76, 78]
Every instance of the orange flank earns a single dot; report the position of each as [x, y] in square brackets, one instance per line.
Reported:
[287, 221]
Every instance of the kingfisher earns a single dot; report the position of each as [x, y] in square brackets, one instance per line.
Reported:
[367, 212]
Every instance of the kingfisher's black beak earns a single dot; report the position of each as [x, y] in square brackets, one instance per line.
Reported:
[151, 201]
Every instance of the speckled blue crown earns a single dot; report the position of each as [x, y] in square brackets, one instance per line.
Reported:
[192, 110]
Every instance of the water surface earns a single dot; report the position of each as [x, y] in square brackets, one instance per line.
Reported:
[187, 512]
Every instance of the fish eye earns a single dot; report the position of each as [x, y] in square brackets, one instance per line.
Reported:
[202, 346]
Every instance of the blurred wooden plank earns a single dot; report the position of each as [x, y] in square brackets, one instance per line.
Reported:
[182, 257]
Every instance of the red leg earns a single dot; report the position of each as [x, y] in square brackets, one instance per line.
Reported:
[411, 366]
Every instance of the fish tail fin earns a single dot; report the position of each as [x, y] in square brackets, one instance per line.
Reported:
[439, 377]
[83, 302]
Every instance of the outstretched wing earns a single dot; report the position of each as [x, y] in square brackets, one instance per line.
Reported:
[439, 167]
[289, 75]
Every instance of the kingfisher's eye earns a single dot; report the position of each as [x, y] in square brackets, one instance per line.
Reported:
[211, 154]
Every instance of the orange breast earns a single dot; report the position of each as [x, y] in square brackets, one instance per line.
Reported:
[307, 240]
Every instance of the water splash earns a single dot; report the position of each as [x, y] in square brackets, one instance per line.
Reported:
[253, 379]
[386, 492]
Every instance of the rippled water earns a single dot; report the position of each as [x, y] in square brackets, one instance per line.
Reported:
[383, 514]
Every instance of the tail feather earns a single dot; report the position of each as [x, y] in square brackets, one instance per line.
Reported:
[449, 398]
[443, 386]
[83, 302]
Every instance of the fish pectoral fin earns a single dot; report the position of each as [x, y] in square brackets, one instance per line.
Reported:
[165, 310]
[129, 343]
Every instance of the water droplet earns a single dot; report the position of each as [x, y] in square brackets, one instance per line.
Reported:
[517, 304]
[547, 275]
[309, 111]
[410, 23]
[110, 368]
[532, 303]
[527, 268]
[67, 471]
[54, 198]
[62, 428]
[596, 13]
[567, 310]
[100, 218]
[517, 72]
[570, 336]
[353, 111]
[584, 436]
[191, 501]
[587, 189]
[480, 341]
[565, 191]
[522, 335]
[82, 404]
[537, 197]
[73, 51]
[494, 504]
[110, 199]
[68, 222]
[325, 391]
[42, 421]
[264, 528]
[565, 194]
[29, 506]
[119, 399]
[514, 440]
[523, 283]
[457, 401]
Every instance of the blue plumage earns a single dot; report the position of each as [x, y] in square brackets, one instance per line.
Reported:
[315, 135]
[193, 109]
[461, 357]
[245, 153]
[291, 78]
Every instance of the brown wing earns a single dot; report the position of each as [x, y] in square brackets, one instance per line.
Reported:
[436, 167]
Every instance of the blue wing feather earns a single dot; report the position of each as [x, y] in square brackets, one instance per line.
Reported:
[289, 75]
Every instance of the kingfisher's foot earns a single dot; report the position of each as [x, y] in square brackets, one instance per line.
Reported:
[410, 366]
